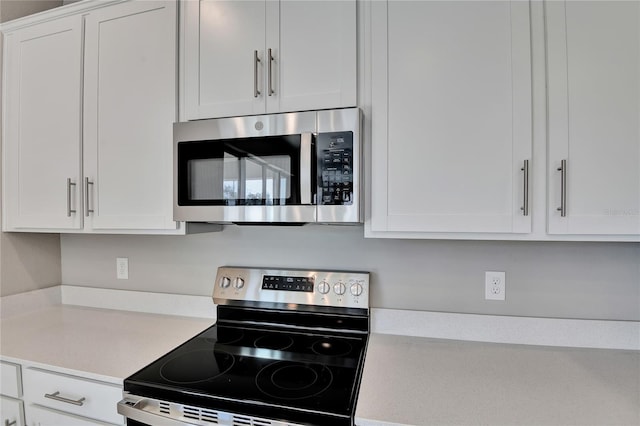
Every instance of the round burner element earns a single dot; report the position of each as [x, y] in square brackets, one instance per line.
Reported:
[293, 380]
[276, 342]
[331, 347]
[294, 377]
[197, 366]
[226, 336]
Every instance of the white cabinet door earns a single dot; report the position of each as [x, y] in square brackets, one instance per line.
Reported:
[224, 58]
[42, 94]
[129, 110]
[40, 416]
[11, 411]
[593, 50]
[227, 69]
[71, 394]
[451, 116]
[315, 64]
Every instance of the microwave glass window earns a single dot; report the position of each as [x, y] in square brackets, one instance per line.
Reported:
[203, 172]
[251, 171]
[266, 178]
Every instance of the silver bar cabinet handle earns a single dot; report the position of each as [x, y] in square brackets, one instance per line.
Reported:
[8, 423]
[87, 182]
[56, 396]
[69, 185]
[305, 168]
[525, 198]
[256, 60]
[563, 188]
[270, 58]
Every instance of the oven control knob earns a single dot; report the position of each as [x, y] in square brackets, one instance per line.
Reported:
[356, 289]
[323, 287]
[339, 288]
[225, 282]
[239, 283]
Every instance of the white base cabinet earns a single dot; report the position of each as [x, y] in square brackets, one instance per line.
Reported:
[37, 397]
[57, 399]
[11, 406]
[90, 99]
[71, 394]
[41, 416]
[11, 411]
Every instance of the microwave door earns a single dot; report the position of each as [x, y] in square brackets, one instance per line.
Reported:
[250, 180]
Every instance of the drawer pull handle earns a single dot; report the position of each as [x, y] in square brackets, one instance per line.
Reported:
[56, 396]
[7, 423]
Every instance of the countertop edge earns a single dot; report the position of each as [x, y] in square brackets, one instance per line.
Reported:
[25, 363]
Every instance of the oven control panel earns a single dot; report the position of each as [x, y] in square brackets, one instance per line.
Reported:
[293, 286]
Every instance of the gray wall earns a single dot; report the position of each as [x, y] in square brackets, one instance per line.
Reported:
[548, 279]
[12, 9]
[27, 261]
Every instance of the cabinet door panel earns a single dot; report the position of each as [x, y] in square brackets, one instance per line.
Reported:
[130, 107]
[42, 125]
[220, 40]
[98, 399]
[594, 116]
[11, 411]
[451, 116]
[40, 416]
[315, 66]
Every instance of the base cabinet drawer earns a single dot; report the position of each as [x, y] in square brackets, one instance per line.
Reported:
[10, 379]
[71, 394]
[41, 416]
[11, 411]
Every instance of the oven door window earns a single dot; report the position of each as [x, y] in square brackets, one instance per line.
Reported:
[250, 171]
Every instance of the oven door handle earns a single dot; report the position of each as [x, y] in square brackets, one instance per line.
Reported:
[305, 169]
[133, 407]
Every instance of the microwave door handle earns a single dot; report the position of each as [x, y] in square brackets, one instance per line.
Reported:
[305, 169]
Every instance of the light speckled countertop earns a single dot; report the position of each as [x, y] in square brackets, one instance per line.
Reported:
[102, 344]
[421, 381]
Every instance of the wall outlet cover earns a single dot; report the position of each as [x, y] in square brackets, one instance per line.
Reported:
[122, 268]
[494, 285]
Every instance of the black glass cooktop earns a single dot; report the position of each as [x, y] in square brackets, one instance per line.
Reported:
[227, 366]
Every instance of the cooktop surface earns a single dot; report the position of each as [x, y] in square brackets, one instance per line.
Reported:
[315, 372]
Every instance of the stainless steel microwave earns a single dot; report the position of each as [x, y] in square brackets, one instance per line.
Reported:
[289, 168]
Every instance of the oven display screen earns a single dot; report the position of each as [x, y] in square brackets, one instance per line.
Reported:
[275, 282]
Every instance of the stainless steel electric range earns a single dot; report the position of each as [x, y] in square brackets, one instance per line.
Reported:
[287, 349]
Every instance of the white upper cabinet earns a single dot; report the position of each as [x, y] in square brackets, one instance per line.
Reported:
[451, 116]
[253, 57]
[315, 64]
[593, 51]
[223, 43]
[42, 126]
[90, 101]
[129, 110]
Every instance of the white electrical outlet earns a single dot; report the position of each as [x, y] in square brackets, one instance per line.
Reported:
[494, 285]
[122, 268]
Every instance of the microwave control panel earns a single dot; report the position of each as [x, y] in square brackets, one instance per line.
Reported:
[335, 168]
